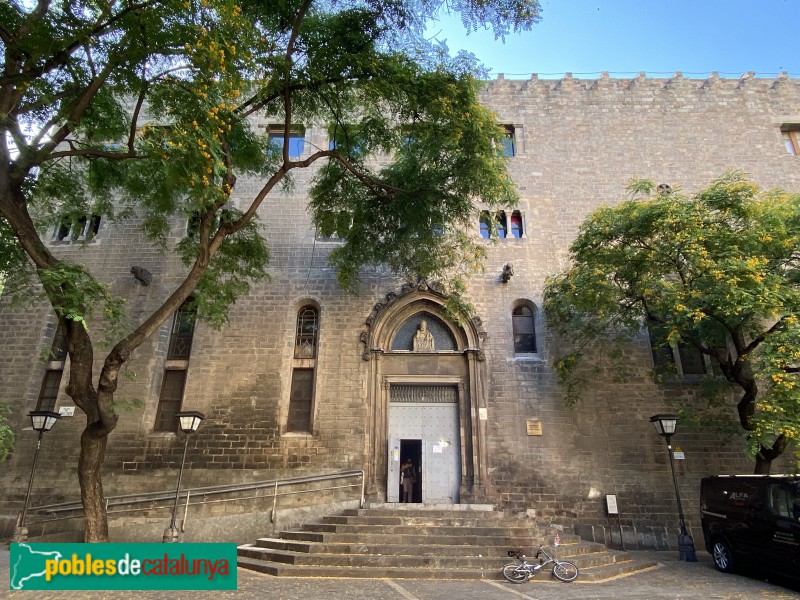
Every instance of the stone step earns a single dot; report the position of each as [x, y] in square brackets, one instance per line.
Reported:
[465, 538]
[452, 521]
[420, 510]
[279, 569]
[384, 549]
[571, 546]
[447, 507]
[452, 571]
[429, 528]
[424, 542]
[410, 560]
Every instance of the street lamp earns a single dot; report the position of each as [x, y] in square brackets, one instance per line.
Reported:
[41, 421]
[665, 426]
[189, 422]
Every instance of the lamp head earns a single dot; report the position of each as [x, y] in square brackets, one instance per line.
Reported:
[43, 420]
[190, 420]
[665, 424]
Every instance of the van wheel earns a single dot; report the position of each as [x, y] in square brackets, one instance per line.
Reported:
[723, 556]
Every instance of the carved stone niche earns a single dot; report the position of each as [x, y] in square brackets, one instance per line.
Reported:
[365, 337]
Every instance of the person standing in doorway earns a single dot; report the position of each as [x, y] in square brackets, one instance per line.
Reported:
[408, 477]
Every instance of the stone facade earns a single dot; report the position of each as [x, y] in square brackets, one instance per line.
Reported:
[578, 143]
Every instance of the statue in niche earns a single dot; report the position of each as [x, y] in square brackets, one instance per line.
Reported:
[423, 339]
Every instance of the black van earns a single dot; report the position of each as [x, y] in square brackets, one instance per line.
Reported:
[753, 520]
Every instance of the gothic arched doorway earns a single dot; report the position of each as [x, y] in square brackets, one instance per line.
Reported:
[425, 399]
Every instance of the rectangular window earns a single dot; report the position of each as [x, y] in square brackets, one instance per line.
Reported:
[692, 360]
[169, 403]
[300, 401]
[49, 392]
[524, 328]
[58, 351]
[791, 137]
[180, 348]
[57, 359]
[663, 358]
[296, 140]
[681, 359]
[348, 139]
[509, 141]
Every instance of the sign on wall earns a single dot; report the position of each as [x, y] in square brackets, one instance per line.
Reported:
[534, 426]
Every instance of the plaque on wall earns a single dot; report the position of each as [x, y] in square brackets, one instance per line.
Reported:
[534, 426]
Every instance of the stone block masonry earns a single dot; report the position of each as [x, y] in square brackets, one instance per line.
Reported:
[579, 143]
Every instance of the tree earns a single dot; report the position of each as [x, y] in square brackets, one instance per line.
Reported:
[6, 434]
[145, 108]
[718, 272]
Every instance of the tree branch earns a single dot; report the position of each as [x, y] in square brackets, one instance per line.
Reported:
[60, 58]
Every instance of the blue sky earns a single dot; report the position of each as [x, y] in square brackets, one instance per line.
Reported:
[624, 37]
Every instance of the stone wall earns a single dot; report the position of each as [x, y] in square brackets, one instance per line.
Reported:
[579, 143]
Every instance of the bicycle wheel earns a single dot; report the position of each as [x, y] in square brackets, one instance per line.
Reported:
[516, 573]
[565, 571]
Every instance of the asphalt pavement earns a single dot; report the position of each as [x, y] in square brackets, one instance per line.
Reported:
[670, 580]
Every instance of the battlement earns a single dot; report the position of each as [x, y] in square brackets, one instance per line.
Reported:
[641, 83]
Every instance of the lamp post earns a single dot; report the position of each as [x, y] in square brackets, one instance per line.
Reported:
[189, 422]
[41, 421]
[665, 426]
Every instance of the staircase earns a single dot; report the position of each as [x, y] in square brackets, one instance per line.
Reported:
[399, 541]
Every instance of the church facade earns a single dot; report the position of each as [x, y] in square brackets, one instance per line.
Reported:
[308, 379]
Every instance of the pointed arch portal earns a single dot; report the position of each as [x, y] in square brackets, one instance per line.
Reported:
[425, 399]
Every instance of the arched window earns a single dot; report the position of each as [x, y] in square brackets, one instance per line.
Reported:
[305, 341]
[524, 326]
[486, 225]
[516, 224]
[301, 394]
[83, 228]
[502, 225]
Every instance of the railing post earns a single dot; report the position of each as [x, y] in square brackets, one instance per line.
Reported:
[274, 503]
[363, 484]
[185, 511]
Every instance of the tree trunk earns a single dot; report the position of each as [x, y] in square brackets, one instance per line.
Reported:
[762, 465]
[766, 455]
[90, 463]
[746, 408]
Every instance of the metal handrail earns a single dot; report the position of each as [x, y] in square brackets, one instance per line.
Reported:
[151, 497]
